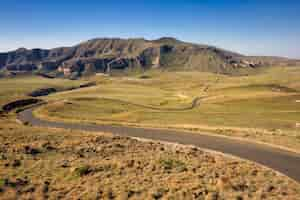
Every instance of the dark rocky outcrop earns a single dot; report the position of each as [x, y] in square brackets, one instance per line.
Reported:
[19, 103]
[48, 65]
[89, 84]
[46, 91]
[44, 75]
[3, 58]
[107, 55]
[21, 67]
[42, 92]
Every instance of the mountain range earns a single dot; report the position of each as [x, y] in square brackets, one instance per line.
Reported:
[114, 55]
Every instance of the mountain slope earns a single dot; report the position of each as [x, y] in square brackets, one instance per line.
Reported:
[107, 55]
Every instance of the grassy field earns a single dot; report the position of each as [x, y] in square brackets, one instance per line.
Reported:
[37, 163]
[17, 88]
[41, 163]
[263, 106]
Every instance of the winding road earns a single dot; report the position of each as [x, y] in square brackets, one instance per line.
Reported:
[283, 161]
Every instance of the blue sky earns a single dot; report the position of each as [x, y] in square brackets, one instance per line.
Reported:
[252, 27]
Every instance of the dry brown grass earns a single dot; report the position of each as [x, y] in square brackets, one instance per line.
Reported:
[261, 107]
[37, 163]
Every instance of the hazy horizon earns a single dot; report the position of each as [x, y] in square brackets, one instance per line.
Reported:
[253, 28]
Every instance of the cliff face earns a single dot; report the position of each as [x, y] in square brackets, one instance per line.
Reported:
[108, 55]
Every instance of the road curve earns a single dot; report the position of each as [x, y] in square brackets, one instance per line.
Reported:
[283, 161]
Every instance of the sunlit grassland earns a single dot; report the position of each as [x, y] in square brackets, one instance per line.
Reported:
[264, 106]
[267, 100]
[77, 164]
[16, 88]
[266, 113]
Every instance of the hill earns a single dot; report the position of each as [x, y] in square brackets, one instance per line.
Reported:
[110, 55]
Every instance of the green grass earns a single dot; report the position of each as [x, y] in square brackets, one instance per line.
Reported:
[266, 101]
[267, 113]
[15, 88]
[2, 182]
[82, 170]
[257, 101]
[170, 164]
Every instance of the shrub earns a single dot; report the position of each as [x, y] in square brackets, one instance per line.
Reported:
[2, 182]
[83, 170]
[169, 164]
[145, 77]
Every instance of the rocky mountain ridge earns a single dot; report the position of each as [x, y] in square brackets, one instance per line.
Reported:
[108, 55]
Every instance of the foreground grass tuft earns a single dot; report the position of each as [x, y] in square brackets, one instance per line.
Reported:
[82, 170]
[169, 164]
[82, 165]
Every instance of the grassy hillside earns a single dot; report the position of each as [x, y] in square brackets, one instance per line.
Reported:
[262, 106]
[19, 87]
[41, 163]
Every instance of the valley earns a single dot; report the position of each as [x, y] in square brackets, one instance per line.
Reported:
[260, 107]
[208, 133]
